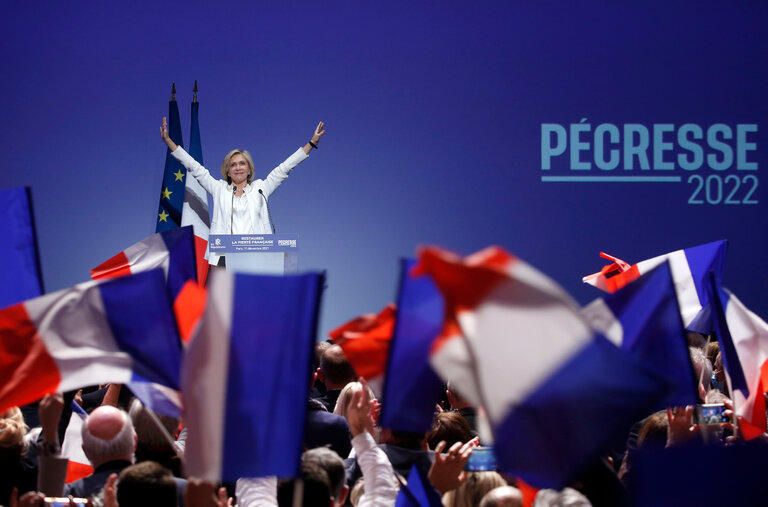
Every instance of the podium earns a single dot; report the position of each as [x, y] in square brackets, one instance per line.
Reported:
[262, 254]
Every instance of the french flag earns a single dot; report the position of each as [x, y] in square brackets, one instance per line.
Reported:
[72, 447]
[555, 393]
[643, 318]
[411, 386]
[172, 250]
[743, 338]
[95, 332]
[365, 341]
[689, 267]
[246, 375]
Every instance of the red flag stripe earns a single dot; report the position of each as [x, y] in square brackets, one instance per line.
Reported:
[113, 268]
[27, 370]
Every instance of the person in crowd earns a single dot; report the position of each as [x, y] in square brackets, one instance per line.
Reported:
[318, 388]
[346, 395]
[109, 442]
[474, 488]
[450, 427]
[463, 407]
[335, 372]
[503, 496]
[239, 200]
[567, 497]
[146, 484]
[153, 442]
[18, 471]
[325, 429]
[702, 368]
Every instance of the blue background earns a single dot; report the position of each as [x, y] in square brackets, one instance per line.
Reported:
[433, 112]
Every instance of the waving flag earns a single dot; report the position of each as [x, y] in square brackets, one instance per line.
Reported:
[195, 209]
[79, 465]
[18, 251]
[365, 341]
[411, 386]
[689, 271]
[174, 174]
[643, 318]
[95, 332]
[172, 250]
[743, 338]
[246, 375]
[555, 393]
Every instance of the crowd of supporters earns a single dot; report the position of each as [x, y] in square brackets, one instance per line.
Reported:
[138, 456]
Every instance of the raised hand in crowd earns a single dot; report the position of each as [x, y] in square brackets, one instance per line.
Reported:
[201, 493]
[49, 411]
[447, 471]
[28, 499]
[110, 492]
[681, 427]
[361, 412]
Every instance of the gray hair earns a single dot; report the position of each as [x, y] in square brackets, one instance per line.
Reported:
[121, 445]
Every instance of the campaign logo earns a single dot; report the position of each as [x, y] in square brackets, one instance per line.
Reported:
[718, 162]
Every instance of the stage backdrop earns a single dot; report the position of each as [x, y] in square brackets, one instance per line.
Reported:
[554, 129]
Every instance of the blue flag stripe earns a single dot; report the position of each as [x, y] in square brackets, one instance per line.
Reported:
[141, 320]
[182, 265]
[411, 387]
[653, 331]
[274, 321]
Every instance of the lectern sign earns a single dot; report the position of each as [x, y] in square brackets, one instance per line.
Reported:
[231, 243]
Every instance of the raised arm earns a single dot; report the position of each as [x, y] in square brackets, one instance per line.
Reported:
[319, 131]
[165, 137]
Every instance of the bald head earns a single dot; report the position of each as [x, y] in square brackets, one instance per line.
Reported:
[105, 422]
[503, 496]
[108, 435]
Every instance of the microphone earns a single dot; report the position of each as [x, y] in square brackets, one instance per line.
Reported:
[271, 223]
[232, 209]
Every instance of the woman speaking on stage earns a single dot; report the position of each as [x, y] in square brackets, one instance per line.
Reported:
[239, 201]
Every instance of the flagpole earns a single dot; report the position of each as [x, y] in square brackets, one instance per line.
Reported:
[298, 492]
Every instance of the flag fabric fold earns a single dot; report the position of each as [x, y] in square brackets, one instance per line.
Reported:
[72, 447]
[643, 318]
[556, 394]
[195, 207]
[365, 341]
[172, 250]
[18, 254]
[743, 338]
[96, 332]
[246, 375]
[411, 386]
[689, 269]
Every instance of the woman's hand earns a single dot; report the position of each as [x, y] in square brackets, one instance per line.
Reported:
[319, 131]
[165, 137]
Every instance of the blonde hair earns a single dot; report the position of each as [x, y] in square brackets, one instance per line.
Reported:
[472, 490]
[345, 397]
[12, 428]
[225, 164]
